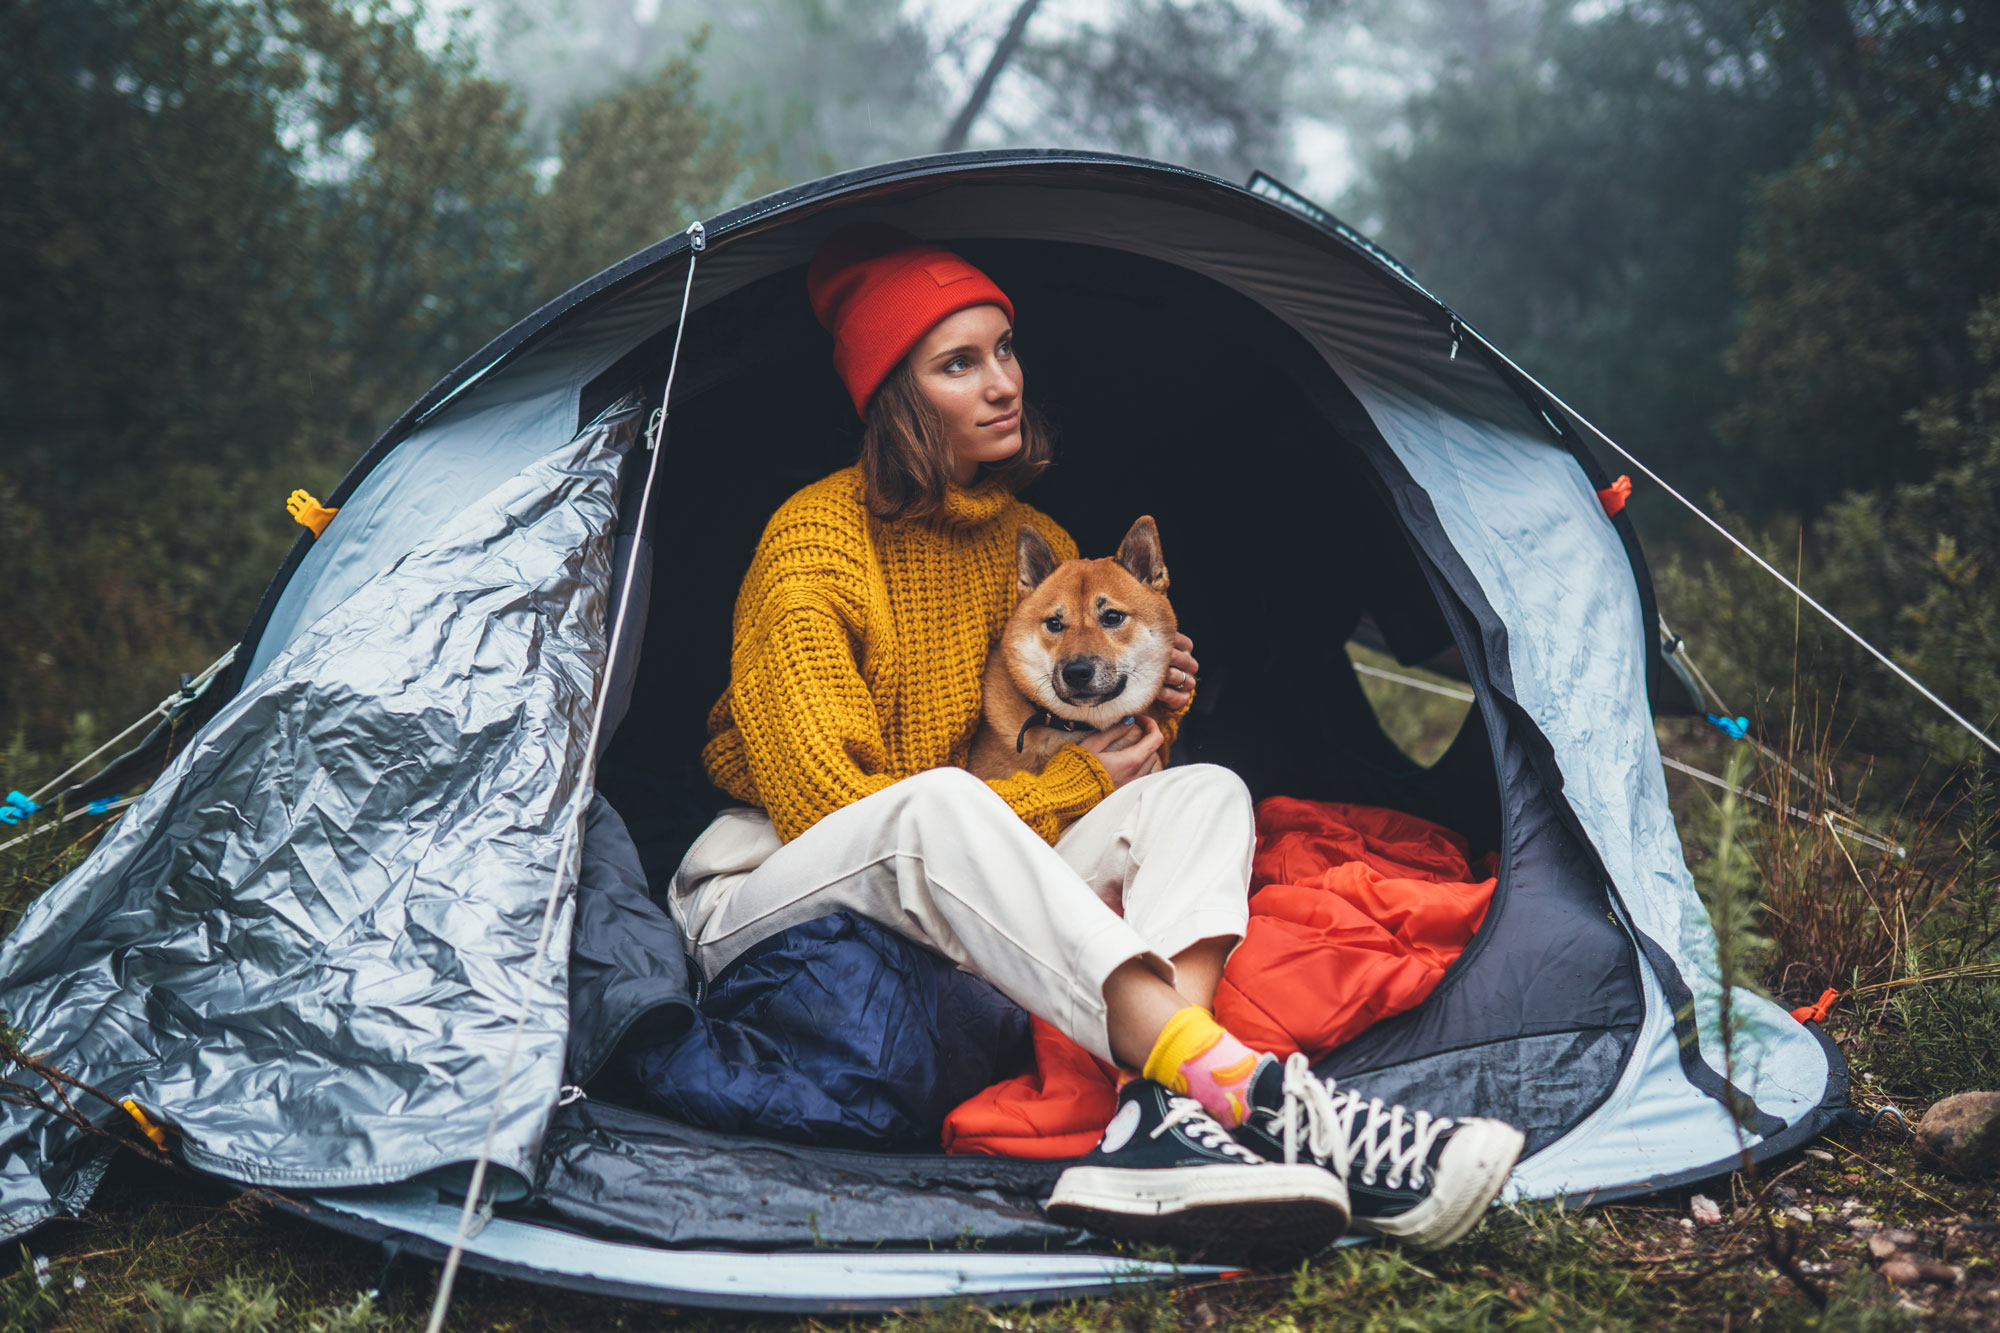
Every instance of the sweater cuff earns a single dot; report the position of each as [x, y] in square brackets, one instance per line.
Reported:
[1073, 781]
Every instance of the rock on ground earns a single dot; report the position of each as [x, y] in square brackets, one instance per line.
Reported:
[1961, 1134]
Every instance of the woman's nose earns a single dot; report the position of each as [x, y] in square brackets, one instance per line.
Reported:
[1004, 382]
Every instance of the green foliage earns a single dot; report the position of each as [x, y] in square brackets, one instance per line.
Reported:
[827, 85]
[30, 1299]
[1745, 239]
[637, 165]
[1937, 1034]
[1423, 724]
[236, 239]
[1869, 255]
[142, 179]
[1583, 206]
[1538, 1268]
[1196, 83]
[1911, 565]
[237, 1306]
[241, 1305]
[1924, 554]
[1726, 875]
[1938, 1037]
[1857, 1307]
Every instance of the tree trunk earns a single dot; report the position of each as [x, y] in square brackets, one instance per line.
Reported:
[1010, 42]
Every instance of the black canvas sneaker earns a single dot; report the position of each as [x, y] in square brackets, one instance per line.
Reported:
[1166, 1171]
[1423, 1179]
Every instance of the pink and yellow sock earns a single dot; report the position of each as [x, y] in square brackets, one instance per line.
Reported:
[1196, 1056]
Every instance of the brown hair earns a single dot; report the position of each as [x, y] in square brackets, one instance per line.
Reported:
[906, 460]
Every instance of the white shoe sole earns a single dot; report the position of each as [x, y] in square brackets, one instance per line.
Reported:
[1474, 1167]
[1219, 1210]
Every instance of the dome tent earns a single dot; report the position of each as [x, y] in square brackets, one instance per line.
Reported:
[303, 946]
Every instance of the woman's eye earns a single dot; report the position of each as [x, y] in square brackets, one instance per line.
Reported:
[956, 364]
[1005, 350]
[1111, 619]
[1054, 624]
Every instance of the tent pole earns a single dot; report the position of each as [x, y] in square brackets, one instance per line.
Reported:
[567, 856]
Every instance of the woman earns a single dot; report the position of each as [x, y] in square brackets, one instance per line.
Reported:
[1102, 894]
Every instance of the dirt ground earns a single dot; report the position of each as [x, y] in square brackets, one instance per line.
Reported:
[1852, 1232]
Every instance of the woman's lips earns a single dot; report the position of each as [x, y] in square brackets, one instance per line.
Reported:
[1002, 423]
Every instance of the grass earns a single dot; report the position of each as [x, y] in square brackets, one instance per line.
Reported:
[158, 1252]
[1797, 906]
[1422, 722]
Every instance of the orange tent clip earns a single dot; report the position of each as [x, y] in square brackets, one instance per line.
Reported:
[1817, 1011]
[1614, 496]
[309, 512]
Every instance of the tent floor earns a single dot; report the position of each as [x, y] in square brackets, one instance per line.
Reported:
[422, 1223]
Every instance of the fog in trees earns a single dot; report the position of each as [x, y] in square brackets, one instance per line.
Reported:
[1754, 241]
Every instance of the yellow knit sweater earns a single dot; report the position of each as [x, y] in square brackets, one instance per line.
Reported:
[856, 654]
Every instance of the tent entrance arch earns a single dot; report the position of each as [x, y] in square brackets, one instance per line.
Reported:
[375, 803]
[1171, 396]
[1175, 397]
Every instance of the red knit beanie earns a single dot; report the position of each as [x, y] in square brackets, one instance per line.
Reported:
[879, 290]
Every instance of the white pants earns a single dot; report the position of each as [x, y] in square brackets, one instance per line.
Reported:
[1158, 865]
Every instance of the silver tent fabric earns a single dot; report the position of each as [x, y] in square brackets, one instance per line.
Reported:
[304, 947]
[1516, 505]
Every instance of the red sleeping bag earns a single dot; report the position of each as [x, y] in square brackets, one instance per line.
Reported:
[1355, 914]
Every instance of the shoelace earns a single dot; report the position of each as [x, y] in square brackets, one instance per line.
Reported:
[1332, 1136]
[1204, 1128]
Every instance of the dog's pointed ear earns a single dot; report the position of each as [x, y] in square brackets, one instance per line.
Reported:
[1033, 559]
[1140, 554]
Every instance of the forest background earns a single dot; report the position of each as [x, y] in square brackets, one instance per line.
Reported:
[1756, 241]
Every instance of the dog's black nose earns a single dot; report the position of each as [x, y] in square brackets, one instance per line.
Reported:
[1079, 673]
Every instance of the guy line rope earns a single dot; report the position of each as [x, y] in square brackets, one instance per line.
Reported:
[1712, 779]
[655, 430]
[1738, 543]
[161, 709]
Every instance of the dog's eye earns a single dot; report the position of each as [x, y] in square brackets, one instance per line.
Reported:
[1054, 624]
[1111, 619]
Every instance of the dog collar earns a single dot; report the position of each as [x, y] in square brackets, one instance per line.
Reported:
[1046, 719]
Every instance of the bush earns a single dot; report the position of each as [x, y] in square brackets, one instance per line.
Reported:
[239, 240]
[1907, 932]
[239, 1305]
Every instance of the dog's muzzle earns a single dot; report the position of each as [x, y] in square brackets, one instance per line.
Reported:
[1088, 681]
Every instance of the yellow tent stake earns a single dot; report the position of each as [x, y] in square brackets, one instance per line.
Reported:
[152, 1129]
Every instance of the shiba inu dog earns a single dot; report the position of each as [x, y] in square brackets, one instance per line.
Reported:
[1087, 647]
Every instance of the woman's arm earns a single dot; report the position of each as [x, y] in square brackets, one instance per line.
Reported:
[810, 735]
[812, 741]
[1063, 792]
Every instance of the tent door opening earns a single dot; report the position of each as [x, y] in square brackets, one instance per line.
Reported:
[1170, 395]
[1173, 396]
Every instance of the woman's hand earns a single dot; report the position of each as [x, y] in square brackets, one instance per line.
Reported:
[1136, 760]
[1178, 687]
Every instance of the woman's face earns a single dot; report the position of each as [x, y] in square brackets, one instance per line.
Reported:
[966, 368]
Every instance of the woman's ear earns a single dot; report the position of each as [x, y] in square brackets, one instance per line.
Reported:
[1033, 559]
[1140, 554]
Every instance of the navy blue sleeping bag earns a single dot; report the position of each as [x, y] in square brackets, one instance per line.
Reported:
[837, 1032]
